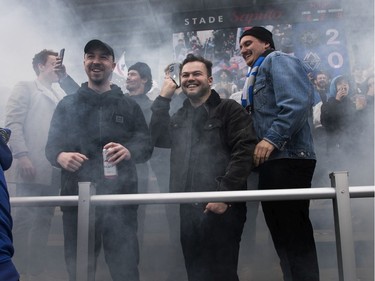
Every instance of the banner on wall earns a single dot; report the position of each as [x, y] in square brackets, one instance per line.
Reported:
[312, 32]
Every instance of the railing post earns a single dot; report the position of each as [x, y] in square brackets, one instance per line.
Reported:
[85, 233]
[343, 227]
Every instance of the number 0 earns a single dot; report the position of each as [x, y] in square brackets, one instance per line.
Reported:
[335, 60]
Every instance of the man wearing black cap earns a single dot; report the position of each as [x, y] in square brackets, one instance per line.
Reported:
[278, 94]
[100, 117]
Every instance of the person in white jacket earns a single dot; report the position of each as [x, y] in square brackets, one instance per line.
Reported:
[28, 114]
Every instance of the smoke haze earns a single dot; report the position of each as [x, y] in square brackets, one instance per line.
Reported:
[28, 26]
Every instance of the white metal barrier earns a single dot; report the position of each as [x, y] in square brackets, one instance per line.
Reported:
[339, 192]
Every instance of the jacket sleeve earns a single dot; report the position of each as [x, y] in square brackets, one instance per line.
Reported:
[140, 144]
[69, 85]
[241, 140]
[16, 114]
[57, 135]
[159, 124]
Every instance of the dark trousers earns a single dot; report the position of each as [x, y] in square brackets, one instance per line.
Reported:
[211, 242]
[31, 229]
[288, 221]
[116, 230]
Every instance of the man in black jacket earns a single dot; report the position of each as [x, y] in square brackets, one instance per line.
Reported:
[212, 143]
[100, 117]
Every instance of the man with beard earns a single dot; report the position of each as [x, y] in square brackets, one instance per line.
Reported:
[278, 94]
[211, 143]
[321, 92]
[321, 83]
[99, 116]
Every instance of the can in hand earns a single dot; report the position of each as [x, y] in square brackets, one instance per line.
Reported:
[110, 170]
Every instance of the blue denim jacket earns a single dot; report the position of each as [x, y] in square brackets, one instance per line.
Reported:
[282, 103]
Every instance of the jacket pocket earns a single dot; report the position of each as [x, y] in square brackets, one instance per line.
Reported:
[213, 124]
[259, 94]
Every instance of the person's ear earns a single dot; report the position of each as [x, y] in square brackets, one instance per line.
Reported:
[210, 80]
[41, 67]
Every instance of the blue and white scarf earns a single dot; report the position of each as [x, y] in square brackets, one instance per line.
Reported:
[247, 92]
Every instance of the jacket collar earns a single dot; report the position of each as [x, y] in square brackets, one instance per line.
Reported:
[213, 100]
[53, 95]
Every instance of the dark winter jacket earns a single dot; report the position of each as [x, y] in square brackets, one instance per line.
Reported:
[340, 117]
[84, 123]
[145, 103]
[211, 146]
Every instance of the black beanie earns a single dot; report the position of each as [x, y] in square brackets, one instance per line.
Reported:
[145, 72]
[261, 33]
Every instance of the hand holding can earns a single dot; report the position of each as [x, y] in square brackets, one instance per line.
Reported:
[110, 169]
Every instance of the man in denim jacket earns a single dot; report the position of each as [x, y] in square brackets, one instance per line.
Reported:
[279, 95]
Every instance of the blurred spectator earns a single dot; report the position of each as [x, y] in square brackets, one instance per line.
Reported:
[180, 49]
[195, 46]
[29, 111]
[338, 113]
[224, 85]
[341, 120]
[138, 83]
[321, 89]
[359, 78]
[321, 83]
[320, 80]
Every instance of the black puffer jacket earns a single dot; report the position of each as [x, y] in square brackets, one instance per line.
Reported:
[211, 146]
[85, 122]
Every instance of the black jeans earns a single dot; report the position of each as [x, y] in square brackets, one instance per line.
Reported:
[288, 221]
[211, 242]
[116, 230]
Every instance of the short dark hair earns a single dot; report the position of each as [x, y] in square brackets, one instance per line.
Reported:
[318, 72]
[193, 58]
[41, 58]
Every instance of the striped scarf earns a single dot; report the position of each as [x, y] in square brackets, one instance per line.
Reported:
[247, 92]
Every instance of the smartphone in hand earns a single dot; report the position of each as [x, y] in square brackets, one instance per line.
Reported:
[174, 73]
[61, 55]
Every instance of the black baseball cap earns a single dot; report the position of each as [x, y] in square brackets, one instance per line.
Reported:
[97, 44]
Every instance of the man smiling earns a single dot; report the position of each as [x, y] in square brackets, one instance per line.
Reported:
[211, 143]
[278, 94]
[99, 116]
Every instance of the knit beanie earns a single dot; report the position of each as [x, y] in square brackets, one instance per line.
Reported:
[261, 33]
[145, 72]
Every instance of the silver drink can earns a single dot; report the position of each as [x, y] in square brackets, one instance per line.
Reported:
[110, 170]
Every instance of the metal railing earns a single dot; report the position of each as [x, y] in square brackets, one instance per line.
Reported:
[339, 192]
